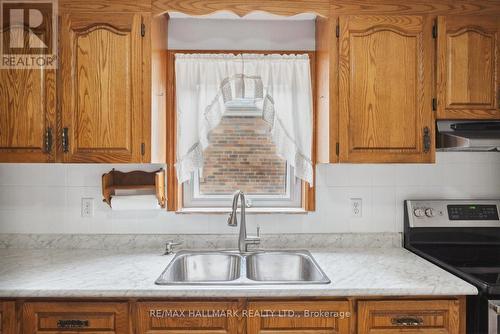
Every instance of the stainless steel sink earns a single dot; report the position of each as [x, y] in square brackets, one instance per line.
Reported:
[284, 267]
[234, 268]
[202, 268]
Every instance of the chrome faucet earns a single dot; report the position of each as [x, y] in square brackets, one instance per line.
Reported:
[243, 240]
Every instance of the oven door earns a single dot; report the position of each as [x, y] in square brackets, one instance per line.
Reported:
[494, 317]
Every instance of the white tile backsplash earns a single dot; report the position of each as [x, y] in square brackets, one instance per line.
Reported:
[46, 198]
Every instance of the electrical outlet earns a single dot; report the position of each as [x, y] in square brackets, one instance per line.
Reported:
[356, 207]
[87, 207]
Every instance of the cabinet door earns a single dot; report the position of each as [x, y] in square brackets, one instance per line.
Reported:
[101, 87]
[92, 318]
[468, 67]
[384, 89]
[189, 317]
[27, 114]
[409, 316]
[298, 317]
[7, 318]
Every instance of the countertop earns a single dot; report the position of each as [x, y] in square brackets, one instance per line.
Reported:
[104, 273]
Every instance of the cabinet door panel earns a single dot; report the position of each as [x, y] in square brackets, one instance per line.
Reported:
[398, 316]
[298, 317]
[189, 317]
[92, 318]
[27, 111]
[101, 57]
[385, 89]
[7, 318]
[468, 67]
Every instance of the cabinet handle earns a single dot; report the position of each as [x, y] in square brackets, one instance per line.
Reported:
[72, 323]
[65, 140]
[48, 140]
[407, 321]
[427, 139]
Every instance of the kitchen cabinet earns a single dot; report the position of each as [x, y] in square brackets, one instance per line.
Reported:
[468, 67]
[7, 318]
[409, 316]
[189, 317]
[81, 317]
[101, 74]
[296, 317]
[27, 115]
[385, 106]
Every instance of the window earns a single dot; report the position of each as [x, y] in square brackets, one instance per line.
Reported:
[237, 140]
[242, 156]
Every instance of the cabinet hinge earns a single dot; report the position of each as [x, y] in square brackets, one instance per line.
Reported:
[337, 149]
[48, 140]
[143, 29]
[337, 30]
[435, 30]
[65, 140]
[427, 140]
[434, 104]
[143, 148]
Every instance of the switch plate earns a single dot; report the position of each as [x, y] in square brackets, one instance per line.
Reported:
[356, 207]
[87, 207]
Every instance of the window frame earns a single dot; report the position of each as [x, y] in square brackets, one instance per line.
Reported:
[175, 196]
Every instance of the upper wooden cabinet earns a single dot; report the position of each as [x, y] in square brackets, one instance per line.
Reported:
[27, 115]
[385, 106]
[101, 74]
[468, 67]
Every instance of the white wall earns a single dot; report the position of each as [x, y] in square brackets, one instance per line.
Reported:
[46, 198]
[208, 34]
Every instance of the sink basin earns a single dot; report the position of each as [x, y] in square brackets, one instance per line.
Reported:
[284, 267]
[201, 268]
[233, 268]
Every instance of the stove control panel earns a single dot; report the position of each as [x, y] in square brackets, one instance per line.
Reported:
[453, 213]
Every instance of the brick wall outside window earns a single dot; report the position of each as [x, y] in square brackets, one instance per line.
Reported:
[242, 156]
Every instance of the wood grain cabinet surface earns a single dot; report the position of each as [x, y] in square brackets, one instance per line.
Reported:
[468, 67]
[298, 317]
[101, 56]
[27, 115]
[75, 317]
[7, 318]
[385, 76]
[189, 317]
[409, 316]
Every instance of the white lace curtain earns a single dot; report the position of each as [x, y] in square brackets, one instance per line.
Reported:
[281, 85]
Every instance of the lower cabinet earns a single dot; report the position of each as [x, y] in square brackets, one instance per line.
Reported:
[409, 316]
[184, 317]
[237, 316]
[75, 317]
[298, 317]
[7, 318]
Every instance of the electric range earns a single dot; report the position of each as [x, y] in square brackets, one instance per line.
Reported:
[462, 237]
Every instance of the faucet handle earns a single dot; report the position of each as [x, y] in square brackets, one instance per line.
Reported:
[169, 247]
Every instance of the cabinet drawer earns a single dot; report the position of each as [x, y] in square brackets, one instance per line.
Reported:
[79, 317]
[188, 317]
[409, 316]
[7, 317]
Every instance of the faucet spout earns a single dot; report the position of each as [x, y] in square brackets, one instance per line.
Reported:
[243, 239]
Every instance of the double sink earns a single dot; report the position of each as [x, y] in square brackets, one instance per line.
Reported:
[235, 268]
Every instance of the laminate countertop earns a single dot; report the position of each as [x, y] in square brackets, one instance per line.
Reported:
[87, 273]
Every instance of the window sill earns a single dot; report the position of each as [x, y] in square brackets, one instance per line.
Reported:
[248, 210]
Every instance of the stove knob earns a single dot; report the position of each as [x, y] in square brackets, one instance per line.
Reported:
[430, 212]
[419, 212]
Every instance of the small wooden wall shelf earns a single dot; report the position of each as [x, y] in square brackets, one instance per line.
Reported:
[140, 181]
